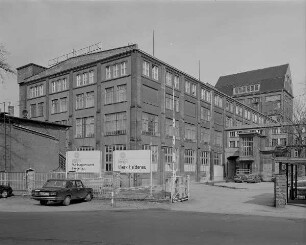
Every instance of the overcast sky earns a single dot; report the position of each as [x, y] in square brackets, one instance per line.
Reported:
[227, 37]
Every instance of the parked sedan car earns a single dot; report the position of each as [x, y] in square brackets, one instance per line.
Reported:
[253, 178]
[5, 191]
[240, 178]
[62, 190]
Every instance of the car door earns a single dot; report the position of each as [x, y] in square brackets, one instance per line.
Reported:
[72, 189]
[81, 190]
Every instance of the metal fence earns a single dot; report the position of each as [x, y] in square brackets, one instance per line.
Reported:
[104, 186]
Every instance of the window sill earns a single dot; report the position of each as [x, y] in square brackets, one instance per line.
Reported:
[55, 113]
[85, 85]
[115, 103]
[114, 78]
[57, 92]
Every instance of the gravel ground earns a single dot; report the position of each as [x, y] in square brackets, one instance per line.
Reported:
[226, 198]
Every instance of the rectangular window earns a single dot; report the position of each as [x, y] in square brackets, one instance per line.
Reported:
[79, 128]
[89, 127]
[150, 125]
[217, 158]
[115, 70]
[169, 79]
[54, 106]
[146, 68]
[283, 141]
[79, 101]
[218, 139]
[63, 104]
[205, 158]
[247, 146]
[176, 82]
[41, 90]
[121, 93]
[190, 132]
[228, 122]
[187, 87]
[154, 152]
[78, 80]
[109, 95]
[203, 94]
[89, 99]
[155, 72]
[64, 84]
[53, 86]
[208, 96]
[189, 156]
[91, 77]
[232, 144]
[169, 103]
[109, 155]
[120, 124]
[108, 72]
[169, 128]
[85, 78]
[40, 109]
[232, 134]
[218, 101]
[274, 142]
[205, 135]
[194, 89]
[33, 110]
[205, 114]
[59, 85]
[123, 68]
[115, 124]
[168, 155]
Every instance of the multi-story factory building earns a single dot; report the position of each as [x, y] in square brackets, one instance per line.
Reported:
[267, 90]
[123, 99]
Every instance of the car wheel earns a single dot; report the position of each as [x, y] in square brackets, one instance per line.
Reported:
[43, 202]
[4, 194]
[88, 197]
[66, 201]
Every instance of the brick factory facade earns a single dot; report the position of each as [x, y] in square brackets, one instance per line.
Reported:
[123, 99]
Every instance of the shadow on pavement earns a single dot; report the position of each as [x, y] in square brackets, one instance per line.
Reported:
[298, 203]
[265, 199]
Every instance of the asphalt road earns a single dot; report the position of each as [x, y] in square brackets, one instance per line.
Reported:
[146, 227]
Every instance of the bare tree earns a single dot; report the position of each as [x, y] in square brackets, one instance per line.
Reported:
[4, 66]
[296, 126]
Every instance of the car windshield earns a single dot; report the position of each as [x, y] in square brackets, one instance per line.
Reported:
[55, 183]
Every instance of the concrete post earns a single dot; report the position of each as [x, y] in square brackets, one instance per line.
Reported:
[280, 191]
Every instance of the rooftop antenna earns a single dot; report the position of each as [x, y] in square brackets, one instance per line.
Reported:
[153, 42]
[87, 50]
[199, 70]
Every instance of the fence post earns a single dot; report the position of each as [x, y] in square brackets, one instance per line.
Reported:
[30, 180]
[115, 187]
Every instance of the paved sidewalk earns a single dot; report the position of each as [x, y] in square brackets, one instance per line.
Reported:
[225, 198]
[238, 198]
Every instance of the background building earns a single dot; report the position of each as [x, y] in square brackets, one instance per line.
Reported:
[123, 99]
[267, 90]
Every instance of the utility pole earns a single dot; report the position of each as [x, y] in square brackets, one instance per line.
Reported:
[4, 137]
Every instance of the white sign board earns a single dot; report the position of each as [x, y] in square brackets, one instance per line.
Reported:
[84, 161]
[133, 161]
